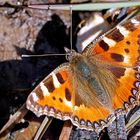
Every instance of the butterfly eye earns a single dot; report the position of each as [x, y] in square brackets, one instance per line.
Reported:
[70, 54]
[67, 56]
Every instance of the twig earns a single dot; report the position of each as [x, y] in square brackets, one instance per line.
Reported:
[13, 120]
[66, 130]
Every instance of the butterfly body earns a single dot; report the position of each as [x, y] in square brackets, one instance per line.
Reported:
[93, 86]
[86, 73]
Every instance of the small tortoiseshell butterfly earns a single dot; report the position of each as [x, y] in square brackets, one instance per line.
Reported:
[94, 86]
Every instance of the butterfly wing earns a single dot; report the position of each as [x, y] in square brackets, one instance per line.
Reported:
[54, 95]
[120, 48]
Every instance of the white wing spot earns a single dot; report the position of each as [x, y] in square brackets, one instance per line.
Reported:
[55, 81]
[128, 71]
[34, 96]
[123, 30]
[110, 42]
[126, 59]
[68, 103]
[44, 89]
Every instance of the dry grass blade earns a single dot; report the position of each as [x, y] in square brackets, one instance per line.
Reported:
[132, 123]
[13, 120]
[85, 6]
[66, 130]
[43, 127]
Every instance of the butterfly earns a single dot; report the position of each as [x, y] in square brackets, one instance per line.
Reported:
[96, 85]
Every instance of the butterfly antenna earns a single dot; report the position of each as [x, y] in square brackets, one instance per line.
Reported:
[42, 55]
[71, 41]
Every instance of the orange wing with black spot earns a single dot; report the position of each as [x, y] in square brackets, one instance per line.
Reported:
[53, 96]
[121, 50]
[121, 46]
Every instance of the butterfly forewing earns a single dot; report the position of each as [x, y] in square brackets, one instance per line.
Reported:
[121, 46]
[54, 95]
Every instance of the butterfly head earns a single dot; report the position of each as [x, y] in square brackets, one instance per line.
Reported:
[70, 54]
